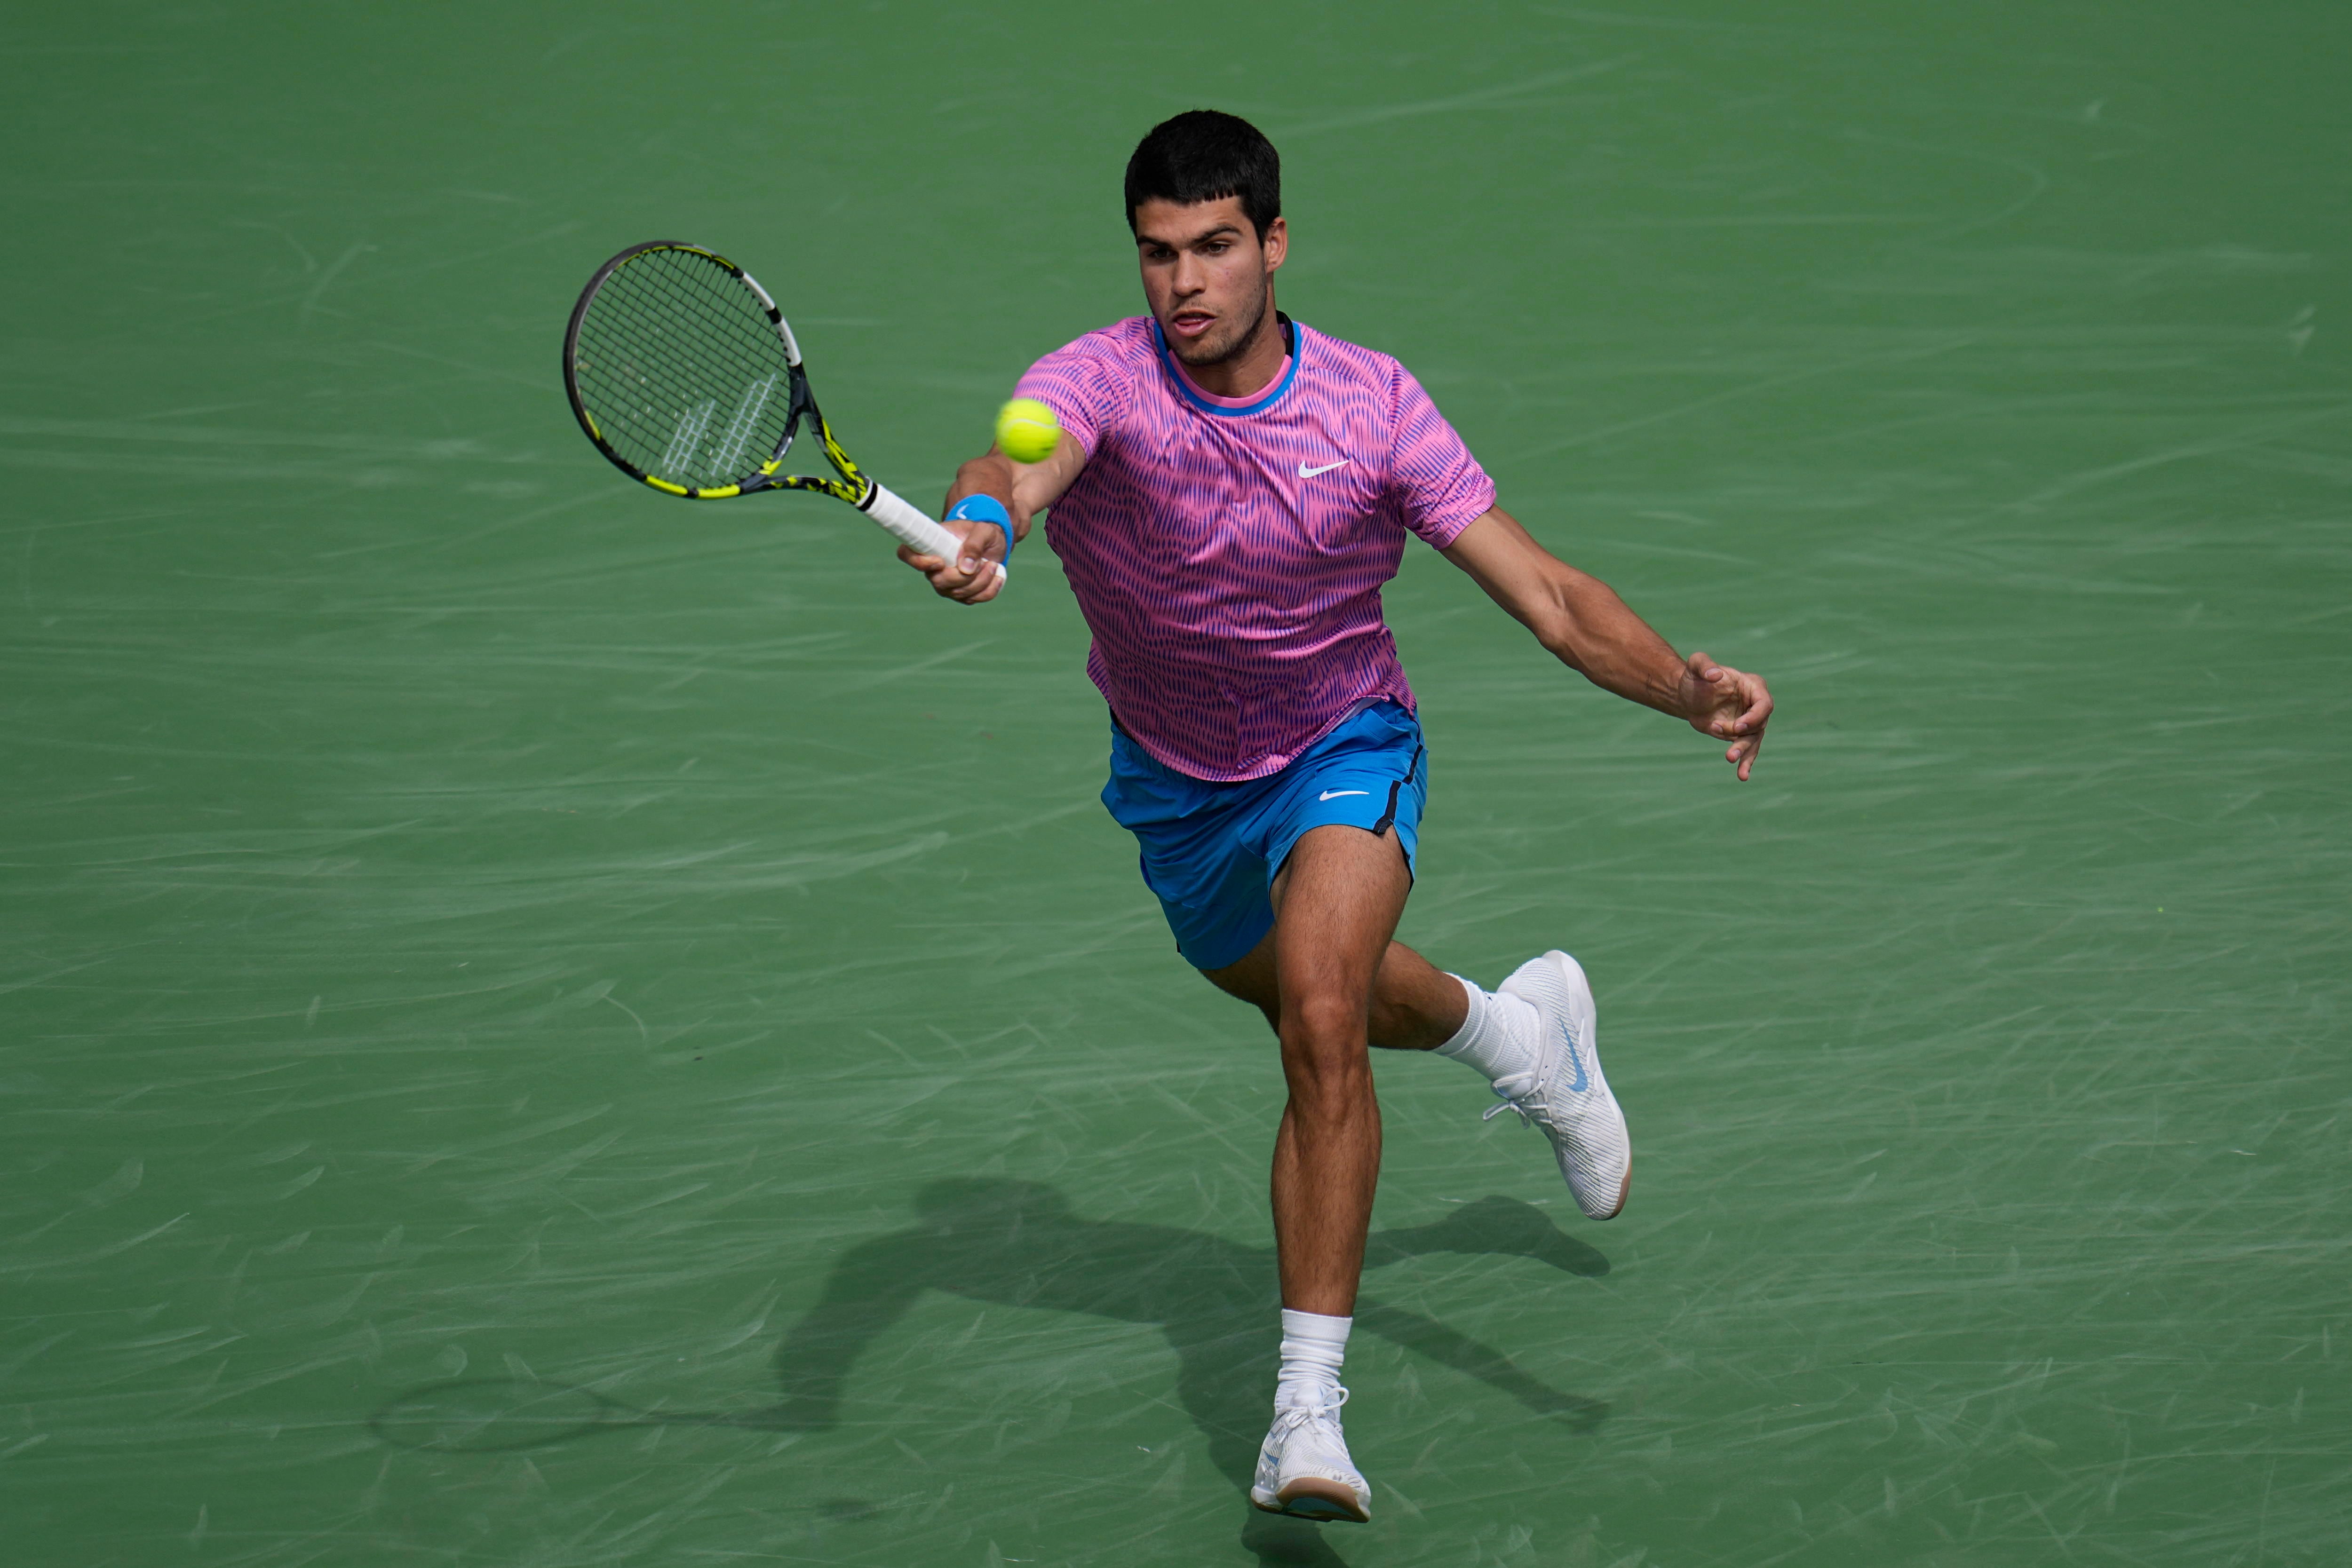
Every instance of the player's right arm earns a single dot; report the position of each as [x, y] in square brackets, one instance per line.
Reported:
[1024, 489]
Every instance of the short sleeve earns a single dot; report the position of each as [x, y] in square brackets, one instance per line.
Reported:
[1085, 383]
[1436, 486]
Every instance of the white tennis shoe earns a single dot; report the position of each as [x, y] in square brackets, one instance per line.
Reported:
[1564, 1093]
[1303, 1468]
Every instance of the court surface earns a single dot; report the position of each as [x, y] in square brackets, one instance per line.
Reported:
[544, 1025]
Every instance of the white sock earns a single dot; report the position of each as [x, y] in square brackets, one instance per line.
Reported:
[1312, 1349]
[1497, 1034]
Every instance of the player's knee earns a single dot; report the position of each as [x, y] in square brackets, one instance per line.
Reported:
[1317, 1016]
[1323, 1035]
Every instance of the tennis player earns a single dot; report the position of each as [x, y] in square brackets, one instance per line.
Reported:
[1230, 491]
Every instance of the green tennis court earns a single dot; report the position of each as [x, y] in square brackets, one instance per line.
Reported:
[542, 1024]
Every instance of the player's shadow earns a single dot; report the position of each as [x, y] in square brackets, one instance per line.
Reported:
[1017, 1243]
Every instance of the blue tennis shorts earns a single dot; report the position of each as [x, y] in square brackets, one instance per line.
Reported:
[1210, 850]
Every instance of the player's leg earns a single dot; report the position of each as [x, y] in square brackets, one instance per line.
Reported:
[1535, 1041]
[1336, 901]
[1415, 1005]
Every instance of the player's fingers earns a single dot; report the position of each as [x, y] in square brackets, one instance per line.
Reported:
[981, 559]
[1729, 719]
[1753, 698]
[943, 575]
[982, 585]
[1739, 702]
[985, 545]
[945, 579]
[1703, 667]
[978, 544]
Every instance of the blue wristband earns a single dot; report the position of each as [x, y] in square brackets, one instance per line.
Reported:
[986, 508]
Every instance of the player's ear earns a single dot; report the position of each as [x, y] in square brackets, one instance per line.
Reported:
[1276, 242]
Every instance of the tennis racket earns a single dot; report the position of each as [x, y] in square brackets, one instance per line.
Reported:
[683, 373]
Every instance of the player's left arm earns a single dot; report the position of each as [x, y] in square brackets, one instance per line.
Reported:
[1583, 624]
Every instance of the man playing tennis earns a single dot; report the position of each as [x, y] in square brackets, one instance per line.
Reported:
[1231, 492]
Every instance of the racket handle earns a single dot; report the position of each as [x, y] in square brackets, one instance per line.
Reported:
[912, 527]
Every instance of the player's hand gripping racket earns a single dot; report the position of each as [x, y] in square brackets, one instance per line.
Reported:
[684, 374]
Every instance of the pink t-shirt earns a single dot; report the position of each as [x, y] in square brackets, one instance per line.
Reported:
[1228, 553]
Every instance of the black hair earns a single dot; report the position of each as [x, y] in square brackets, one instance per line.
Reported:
[1203, 154]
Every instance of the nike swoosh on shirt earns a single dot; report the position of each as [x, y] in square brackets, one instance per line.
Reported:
[1335, 794]
[1306, 473]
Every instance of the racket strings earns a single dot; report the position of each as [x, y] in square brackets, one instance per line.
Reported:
[669, 337]
[682, 370]
[677, 331]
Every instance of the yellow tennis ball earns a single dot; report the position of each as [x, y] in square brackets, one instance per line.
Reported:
[1027, 431]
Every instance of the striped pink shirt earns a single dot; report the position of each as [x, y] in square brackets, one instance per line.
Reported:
[1228, 553]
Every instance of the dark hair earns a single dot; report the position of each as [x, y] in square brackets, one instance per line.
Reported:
[1203, 154]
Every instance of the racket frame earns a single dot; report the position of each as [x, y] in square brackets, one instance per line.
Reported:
[856, 487]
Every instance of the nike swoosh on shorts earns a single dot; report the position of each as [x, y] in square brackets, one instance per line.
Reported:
[1335, 794]
[1306, 473]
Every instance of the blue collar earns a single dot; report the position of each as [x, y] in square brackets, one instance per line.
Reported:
[1294, 339]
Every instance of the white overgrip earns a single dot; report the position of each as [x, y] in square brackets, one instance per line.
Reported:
[912, 527]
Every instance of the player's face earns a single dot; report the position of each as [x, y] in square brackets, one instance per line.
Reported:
[1208, 276]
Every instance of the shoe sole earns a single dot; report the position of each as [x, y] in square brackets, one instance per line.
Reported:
[1312, 1497]
[1624, 1188]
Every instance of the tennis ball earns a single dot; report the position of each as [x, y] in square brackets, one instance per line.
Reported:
[1027, 431]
